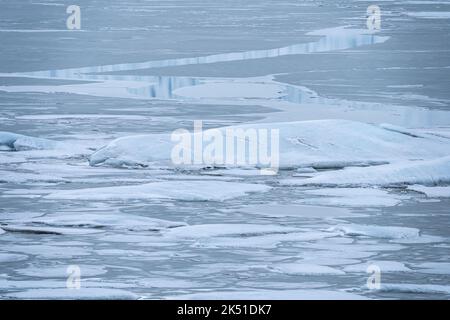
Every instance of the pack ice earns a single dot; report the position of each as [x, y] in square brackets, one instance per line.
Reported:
[399, 155]
[16, 142]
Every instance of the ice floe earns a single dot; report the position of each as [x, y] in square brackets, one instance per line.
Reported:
[11, 257]
[234, 229]
[353, 197]
[433, 267]
[301, 268]
[60, 271]
[21, 177]
[47, 230]
[385, 266]
[16, 142]
[178, 190]
[387, 232]
[71, 294]
[432, 192]
[317, 144]
[310, 294]
[262, 241]
[415, 288]
[431, 172]
[430, 14]
[112, 221]
[300, 211]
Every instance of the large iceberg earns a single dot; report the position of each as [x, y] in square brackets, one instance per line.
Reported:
[321, 144]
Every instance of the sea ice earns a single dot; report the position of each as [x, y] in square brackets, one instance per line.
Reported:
[81, 294]
[385, 266]
[433, 267]
[377, 231]
[317, 144]
[178, 190]
[270, 294]
[232, 229]
[16, 142]
[432, 192]
[301, 268]
[114, 221]
[404, 172]
[11, 257]
[353, 197]
[415, 288]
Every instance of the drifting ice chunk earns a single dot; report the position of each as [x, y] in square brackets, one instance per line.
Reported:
[415, 288]
[405, 172]
[60, 271]
[115, 221]
[385, 266]
[16, 142]
[298, 268]
[48, 230]
[432, 192]
[377, 231]
[270, 295]
[178, 190]
[353, 197]
[81, 294]
[301, 144]
[214, 230]
[11, 257]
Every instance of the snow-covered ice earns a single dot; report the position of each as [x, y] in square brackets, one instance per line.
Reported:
[432, 192]
[87, 176]
[302, 144]
[179, 190]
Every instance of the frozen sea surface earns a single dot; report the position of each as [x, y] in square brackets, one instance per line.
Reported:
[85, 118]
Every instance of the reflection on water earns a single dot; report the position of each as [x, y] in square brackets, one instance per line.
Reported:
[163, 87]
[331, 40]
